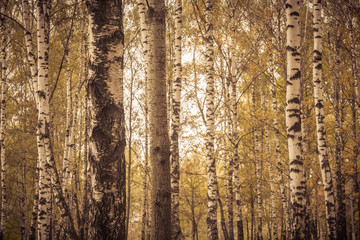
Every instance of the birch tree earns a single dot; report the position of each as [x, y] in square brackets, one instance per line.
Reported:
[144, 41]
[175, 126]
[158, 126]
[212, 187]
[43, 121]
[293, 121]
[322, 149]
[107, 124]
[3, 68]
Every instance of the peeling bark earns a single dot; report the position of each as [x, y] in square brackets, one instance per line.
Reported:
[107, 124]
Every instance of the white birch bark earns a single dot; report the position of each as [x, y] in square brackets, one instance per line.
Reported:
[293, 121]
[322, 148]
[144, 36]
[145, 215]
[258, 171]
[175, 126]
[273, 222]
[23, 225]
[235, 150]
[279, 159]
[3, 68]
[212, 188]
[67, 155]
[43, 111]
[107, 123]
[33, 82]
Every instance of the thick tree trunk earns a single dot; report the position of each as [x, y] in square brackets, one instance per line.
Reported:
[159, 135]
[322, 148]
[175, 124]
[107, 124]
[212, 187]
[293, 121]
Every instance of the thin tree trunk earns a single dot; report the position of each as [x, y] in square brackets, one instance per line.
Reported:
[212, 187]
[129, 154]
[23, 224]
[159, 134]
[144, 40]
[355, 104]
[3, 69]
[351, 206]
[175, 123]
[258, 171]
[67, 145]
[293, 122]
[145, 218]
[35, 207]
[320, 127]
[85, 204]
[84, 227]
[107, 124]
[235, 150]
[278, 160]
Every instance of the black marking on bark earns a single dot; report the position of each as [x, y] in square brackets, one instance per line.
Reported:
[319, 66]
[296, 127]
[319, 105]
[297, 75]
[294, 100]
[289, 48]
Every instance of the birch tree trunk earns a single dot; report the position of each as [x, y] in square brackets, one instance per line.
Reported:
[33, 83]
[43, 117]
[107, 124]
[356, 100]
[144, 40]
[23, 225]
[67, 155]
[159, 135]
[258, 171]
[175, 123]
[293, 121]
[3, 68]
[235, 150]
[320, 125]
[145, 217]
[278, 159]
[212, 189]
